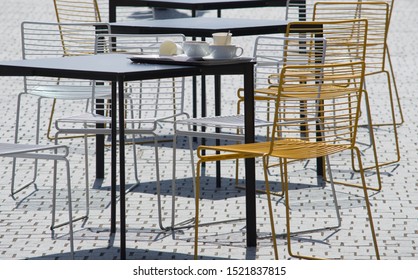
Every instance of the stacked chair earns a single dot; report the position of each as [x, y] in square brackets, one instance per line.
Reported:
[331, 94]
[317, 107]
[378, 60]
[378, 16]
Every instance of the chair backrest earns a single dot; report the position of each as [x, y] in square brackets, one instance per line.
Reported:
[77, 11]
[391, 3]
[50, 40]
[378, 16]
[299, 10]
[274, 52]
[319, 103]
[346, 39]
[302, 10]
[149, 99]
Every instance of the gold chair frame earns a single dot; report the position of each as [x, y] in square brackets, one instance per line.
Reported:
[331, 96]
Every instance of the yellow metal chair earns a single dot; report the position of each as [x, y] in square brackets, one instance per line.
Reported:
[389, 60]
[331, 96]
[378, 16]
[77, 11]
[346, 42]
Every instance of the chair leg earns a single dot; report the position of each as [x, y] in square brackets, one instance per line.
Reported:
[398, 99]
[87, 179]
[394, 125]
[374, 147]
[70, 208]
[71, 220]
[135, 160]
[86, 215]
[366, 198]
[35, 172]
[287, 204]
[158, 182]
[197, 197]
[334, 195]
[270, 207]
[173, 183]
[173, 188]
[286, 188]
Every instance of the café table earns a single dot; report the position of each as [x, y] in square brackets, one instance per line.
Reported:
[117, 68]
[193, 5]
[201, 27]
[204, 27]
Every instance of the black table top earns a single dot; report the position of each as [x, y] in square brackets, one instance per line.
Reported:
[111, 67]
[200, 4]
[104, 66]
[201, 26]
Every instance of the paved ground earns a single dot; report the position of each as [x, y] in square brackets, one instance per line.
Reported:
[25, 234]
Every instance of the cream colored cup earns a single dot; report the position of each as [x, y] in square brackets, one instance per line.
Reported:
[225, 52]
[222, 38]
[169, 48]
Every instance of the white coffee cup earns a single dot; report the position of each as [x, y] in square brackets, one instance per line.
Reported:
[222, 38]
[196, 48]
[225, 52]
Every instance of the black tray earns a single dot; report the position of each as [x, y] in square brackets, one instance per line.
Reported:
[185, 60]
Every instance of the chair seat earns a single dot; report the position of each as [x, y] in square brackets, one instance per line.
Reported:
[231, 121]
[286, 148]
[9, 149]
[69, 92]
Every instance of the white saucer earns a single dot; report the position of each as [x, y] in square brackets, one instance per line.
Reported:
[209, 57]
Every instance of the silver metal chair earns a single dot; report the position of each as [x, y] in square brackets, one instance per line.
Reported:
[44, 152]
[49, 40]
[150, 105]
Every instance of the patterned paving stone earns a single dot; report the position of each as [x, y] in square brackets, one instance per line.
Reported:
[25, 222]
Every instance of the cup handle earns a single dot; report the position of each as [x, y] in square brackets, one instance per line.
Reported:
[240, 51]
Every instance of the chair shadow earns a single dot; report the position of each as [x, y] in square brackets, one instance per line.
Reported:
[113, 253]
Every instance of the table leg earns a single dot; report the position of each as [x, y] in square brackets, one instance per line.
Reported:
[100, 140]
[113, 161]
[218, 113]
[250, 162]
[122, 186]
[112, 10]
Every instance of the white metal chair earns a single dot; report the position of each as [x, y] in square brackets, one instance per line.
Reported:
[44, 39]
[48, 40]
[149, 104]
[271, 54]
[44, 152]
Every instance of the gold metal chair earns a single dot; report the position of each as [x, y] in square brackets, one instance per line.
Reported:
[378, 16]
[316, 115]
[346, 42]
[389, 60]
[77, 11]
